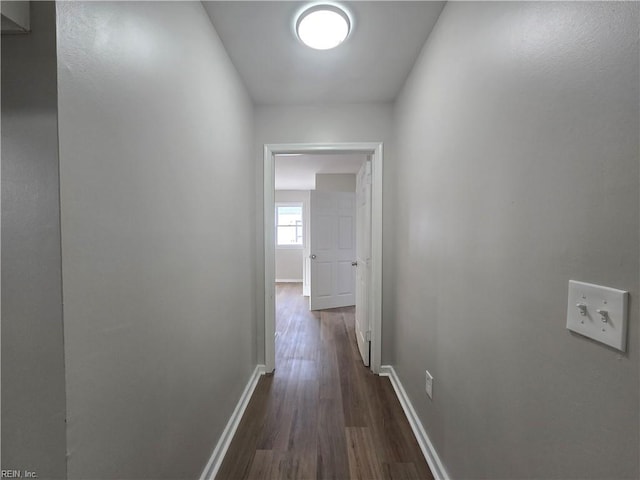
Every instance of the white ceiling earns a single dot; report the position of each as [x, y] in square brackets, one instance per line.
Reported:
[370, 66]
[299, 172]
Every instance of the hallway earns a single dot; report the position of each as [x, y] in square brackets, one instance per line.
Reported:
[138, 144]
[322, 414]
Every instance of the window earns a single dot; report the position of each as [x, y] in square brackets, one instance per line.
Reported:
[289, 225]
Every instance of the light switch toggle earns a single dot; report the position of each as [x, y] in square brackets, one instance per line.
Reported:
[604, 315]
[583, 308]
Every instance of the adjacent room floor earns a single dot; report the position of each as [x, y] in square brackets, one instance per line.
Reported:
[322, 414]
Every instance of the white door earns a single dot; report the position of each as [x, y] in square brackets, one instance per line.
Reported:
[363, 253]
[333, 249]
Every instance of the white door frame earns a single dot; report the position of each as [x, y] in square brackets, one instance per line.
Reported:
[375, 322]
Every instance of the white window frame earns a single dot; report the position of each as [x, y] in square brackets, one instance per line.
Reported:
[304, 220]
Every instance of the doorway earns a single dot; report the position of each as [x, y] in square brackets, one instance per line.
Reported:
[375, 153]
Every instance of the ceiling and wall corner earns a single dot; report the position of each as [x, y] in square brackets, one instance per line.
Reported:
[16, 17]
[369, 67]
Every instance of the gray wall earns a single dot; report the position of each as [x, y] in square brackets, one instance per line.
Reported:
[158, 226]
[517, 137]
[323, 124]
[33, 395]
[337, 182]
[289, 264]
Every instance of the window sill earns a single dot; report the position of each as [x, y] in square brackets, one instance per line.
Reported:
[289, 247]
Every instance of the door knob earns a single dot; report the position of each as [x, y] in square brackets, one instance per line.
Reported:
[312, 257]
[354, 264]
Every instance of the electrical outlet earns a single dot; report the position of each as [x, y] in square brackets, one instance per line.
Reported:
[429, 384]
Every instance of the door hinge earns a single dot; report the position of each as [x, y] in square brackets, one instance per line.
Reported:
[367, 336]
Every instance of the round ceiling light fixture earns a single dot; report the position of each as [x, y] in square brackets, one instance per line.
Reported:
[323, 26]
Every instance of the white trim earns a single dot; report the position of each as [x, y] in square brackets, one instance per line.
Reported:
[288, 280]
[370, 148]
[269, 260]
[428, 450]
[215, 461]
[375, 323]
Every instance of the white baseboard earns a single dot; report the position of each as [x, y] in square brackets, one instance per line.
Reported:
[288, 280]
[213, 465]
[435, 464]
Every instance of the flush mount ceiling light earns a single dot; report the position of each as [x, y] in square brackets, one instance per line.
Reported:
[323, 26]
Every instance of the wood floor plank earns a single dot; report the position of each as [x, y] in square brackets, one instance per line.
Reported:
[274, 433]
[304, 424]
[245, 439]
[401, 471]
[322, 414]
[363, 461]
[293, 466]
[387, 421]
[261, 465]
[329, 381]
[333, 460]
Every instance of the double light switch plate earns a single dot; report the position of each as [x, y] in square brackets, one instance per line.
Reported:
[599, 313]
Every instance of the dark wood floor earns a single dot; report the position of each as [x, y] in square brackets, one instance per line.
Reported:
[322, 414]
